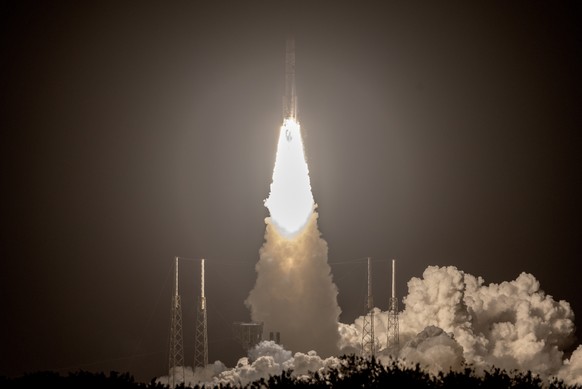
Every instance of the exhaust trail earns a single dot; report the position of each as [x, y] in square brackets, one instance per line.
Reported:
[294, 293]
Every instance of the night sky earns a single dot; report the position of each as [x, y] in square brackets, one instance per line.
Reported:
[437, 133]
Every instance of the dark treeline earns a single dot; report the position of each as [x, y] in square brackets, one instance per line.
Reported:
[353, 372]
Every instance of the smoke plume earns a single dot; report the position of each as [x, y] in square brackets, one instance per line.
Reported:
[294, 293]
[571, 371]
[264, 360]
[435, 350]
[512, 325]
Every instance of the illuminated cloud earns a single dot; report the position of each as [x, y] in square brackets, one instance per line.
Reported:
[513, 325]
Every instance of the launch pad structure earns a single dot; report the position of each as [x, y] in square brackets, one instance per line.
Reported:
[176, 366]
[201, 336]
[176, 354]
[369, 341]
[248, 334]
[368, 338]
[392, 333]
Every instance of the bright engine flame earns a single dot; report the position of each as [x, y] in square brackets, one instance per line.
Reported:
[290, 202]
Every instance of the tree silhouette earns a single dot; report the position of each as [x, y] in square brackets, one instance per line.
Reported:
[351, 372]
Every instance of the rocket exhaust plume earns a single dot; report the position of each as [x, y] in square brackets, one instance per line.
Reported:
[294, 293]
[290, 202]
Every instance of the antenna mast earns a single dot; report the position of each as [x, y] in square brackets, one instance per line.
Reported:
[201, 341]
[392, 333]
[176, 354]
[368, 341]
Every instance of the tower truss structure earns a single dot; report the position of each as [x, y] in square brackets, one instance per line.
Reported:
[201, 335]
[368, 339]
[392, 333]
[176, 354]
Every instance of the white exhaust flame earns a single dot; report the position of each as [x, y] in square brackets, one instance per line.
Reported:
[290, 202]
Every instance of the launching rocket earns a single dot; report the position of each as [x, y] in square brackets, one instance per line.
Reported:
[290, 98]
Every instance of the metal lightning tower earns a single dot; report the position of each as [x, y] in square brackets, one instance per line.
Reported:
[201, 340]
[392, 333]
[368, 340]
[176, 355]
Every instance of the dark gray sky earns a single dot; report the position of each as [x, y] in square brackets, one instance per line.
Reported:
[437, 133]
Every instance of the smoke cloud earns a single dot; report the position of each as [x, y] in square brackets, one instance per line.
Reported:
[571, 372]
[294, 293]
[265, 359]
[452, 317]
[434, 350]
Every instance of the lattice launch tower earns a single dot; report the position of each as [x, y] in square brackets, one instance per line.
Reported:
[201, 338]
[368, 339]
[392, 333]
[176, 354]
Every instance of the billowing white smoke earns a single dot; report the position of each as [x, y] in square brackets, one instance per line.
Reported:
[571, 372]
[433, 349]
[513, 325]
[266, 359]
[294, 293]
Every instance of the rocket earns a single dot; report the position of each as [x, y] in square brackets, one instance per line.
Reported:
[290, 98]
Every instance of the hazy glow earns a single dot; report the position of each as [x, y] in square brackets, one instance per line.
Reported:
[290, 202]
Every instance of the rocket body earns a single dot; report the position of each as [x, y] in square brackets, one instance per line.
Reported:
[290, 98]
[393, 278]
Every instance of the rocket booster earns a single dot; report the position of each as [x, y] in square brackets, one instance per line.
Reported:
[290, 98]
